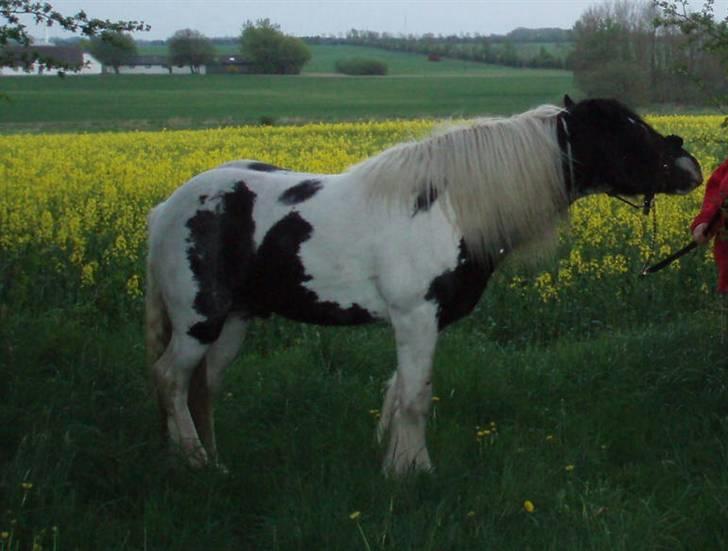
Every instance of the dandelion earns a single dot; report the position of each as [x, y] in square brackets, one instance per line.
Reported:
[27, 486]
[569, 468]
[528, 506]
[435, 398]
[355, 515]
[549, 437]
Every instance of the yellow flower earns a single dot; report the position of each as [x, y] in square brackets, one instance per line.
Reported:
[435, 398]
[4, 535]
[528, 506]
[26, 486]
[355, 515]
[470, 514]
[569, 468]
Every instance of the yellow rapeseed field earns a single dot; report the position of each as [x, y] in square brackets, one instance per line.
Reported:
[79, 201]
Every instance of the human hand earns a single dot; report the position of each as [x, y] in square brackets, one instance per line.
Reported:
[700, 234]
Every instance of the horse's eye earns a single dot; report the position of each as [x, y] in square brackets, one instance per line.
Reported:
[674, 141]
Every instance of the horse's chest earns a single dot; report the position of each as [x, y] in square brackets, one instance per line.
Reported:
[457, 291]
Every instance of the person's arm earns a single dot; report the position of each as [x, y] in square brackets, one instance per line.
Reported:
[711, 203]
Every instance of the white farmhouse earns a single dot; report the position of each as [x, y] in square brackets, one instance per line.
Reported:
[31, 61]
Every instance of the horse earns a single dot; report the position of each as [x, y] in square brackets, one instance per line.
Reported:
[410, 236]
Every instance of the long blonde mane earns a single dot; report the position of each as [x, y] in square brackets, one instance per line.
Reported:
[500, 179]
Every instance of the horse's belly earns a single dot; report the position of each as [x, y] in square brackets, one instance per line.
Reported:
[314, 301]
[301, 274]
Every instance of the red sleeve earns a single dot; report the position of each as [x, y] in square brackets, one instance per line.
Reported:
[716, 191]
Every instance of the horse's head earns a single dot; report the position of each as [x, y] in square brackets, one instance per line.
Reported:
[614, 151]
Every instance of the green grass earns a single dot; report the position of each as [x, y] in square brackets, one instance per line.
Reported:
[324, 58]
[417, 88]
[642, 416]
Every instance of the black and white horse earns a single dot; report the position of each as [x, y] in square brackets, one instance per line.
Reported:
[410, 236]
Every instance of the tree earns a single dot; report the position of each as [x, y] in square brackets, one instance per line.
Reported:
[188, 47]
[14, 31]
[114, 48]
[614, 51]
[271, 51]
[707, 61]
[698, 25]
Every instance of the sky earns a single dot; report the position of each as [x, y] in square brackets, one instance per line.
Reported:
[218, 18]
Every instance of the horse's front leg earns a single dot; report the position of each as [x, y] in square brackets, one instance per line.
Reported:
[408, 399]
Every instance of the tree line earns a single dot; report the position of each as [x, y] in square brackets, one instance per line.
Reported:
[494, 49]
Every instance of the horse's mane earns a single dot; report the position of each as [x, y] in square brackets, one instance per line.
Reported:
[500, 179]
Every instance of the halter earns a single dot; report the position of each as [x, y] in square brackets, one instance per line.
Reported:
[646, 206]
[569, 155]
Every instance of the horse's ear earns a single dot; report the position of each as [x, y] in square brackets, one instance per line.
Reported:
[568, 102]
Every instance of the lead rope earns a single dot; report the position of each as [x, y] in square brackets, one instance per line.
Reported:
[651, 251]
[652, 246]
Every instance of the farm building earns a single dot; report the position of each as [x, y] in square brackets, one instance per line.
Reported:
[230, 64]
[154, 65]
[19, 61]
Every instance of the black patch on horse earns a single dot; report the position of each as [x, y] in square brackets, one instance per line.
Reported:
[219, 253]
[264, 167]
[300, 192]
[456, 292]
[425, 200]
[277, 281]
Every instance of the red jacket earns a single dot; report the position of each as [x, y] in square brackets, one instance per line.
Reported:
[716, 192]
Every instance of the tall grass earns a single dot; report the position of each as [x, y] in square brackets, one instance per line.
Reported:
[618, 441]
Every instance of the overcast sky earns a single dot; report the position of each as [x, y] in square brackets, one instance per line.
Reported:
[216, 18]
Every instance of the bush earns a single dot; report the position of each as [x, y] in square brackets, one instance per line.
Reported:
[361, 66]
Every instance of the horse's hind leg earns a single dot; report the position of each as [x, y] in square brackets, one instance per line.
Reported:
[172, 373]
[409, 397]
[207, 378]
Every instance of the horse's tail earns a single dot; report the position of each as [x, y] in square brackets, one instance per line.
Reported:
[157, 326]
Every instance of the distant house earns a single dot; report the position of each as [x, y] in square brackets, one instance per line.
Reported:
[19, 61]
[154, 65]
[231, 64]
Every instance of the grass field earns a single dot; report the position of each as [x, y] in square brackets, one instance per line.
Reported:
[415, 88]
[598, 398]
[324, 59]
